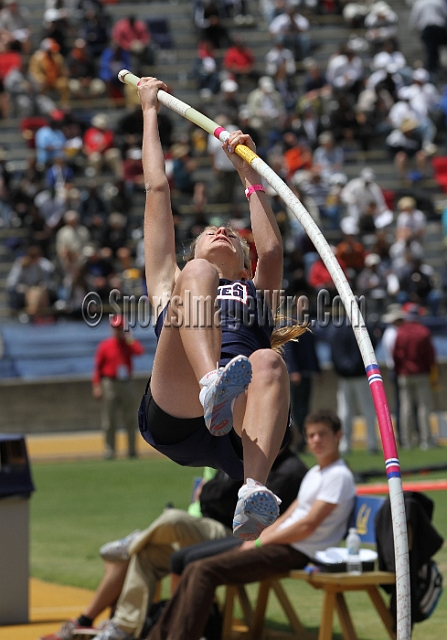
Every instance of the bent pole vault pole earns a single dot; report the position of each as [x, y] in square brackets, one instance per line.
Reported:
[353, 312]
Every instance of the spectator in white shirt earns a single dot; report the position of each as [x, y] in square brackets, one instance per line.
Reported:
[359, 192]
[279, 60]
[29, 282]
[345, 71]
[381, 24]
[15, 30]
[293, 26]
[328, 156]
[71, 238]
[429, 17]
[265, 106]
[411, 222]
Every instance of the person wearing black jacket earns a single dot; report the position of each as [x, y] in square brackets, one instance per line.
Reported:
[353, 389]
[303, 365]
[424, 542]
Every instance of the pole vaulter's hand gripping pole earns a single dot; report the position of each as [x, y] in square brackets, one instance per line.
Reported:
[353, 312]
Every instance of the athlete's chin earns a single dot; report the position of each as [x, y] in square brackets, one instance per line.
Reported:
[222, 242]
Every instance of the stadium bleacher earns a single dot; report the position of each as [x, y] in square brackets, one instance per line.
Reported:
[67, 347]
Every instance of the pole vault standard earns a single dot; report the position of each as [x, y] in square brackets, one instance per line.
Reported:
[392, 464]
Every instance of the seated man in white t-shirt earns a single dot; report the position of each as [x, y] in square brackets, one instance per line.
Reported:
[316, 520]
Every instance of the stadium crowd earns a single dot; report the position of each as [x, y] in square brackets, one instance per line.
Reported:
[309, 121]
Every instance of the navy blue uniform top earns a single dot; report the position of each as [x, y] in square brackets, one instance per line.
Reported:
[246, 319]
[247, 325]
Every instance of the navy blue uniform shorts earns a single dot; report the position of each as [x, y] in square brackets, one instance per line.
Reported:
[188, 442]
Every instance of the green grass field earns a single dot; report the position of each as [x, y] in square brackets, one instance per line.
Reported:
[78, 506]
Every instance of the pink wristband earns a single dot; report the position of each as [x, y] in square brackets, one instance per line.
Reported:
[251, 189]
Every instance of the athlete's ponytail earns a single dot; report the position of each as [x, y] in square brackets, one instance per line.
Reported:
[289, 330]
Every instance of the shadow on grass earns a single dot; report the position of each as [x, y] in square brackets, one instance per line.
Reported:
[311, 632]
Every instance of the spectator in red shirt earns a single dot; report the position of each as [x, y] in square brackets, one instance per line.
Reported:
[319, 277]
[297, 155]
[350, 250]
[99, 146]
[133, 36]
[240, 61]
[9, 60]
[133, 170]
[112, 383]
[416, 370]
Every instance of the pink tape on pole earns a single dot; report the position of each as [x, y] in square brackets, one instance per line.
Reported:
[382, 410]
[218, 131]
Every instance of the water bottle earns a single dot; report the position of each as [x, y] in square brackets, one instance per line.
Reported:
[353, 564]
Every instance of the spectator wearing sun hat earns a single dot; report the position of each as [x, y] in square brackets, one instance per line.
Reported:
[411, 222]
[404, 143]
[112, 383]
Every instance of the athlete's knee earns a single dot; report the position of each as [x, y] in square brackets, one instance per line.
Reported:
[269, 365]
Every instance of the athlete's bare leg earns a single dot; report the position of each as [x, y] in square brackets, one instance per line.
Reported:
[189, 350]
[260, 415]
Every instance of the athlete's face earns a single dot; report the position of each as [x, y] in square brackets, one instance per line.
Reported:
[220, 240]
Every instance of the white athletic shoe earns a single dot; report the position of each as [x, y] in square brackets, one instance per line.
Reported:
[111, 631]
[118, 550]
[257, 508]
[220, 388]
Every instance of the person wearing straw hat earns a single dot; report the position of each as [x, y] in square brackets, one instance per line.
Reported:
[203, 317]
[404, 143]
